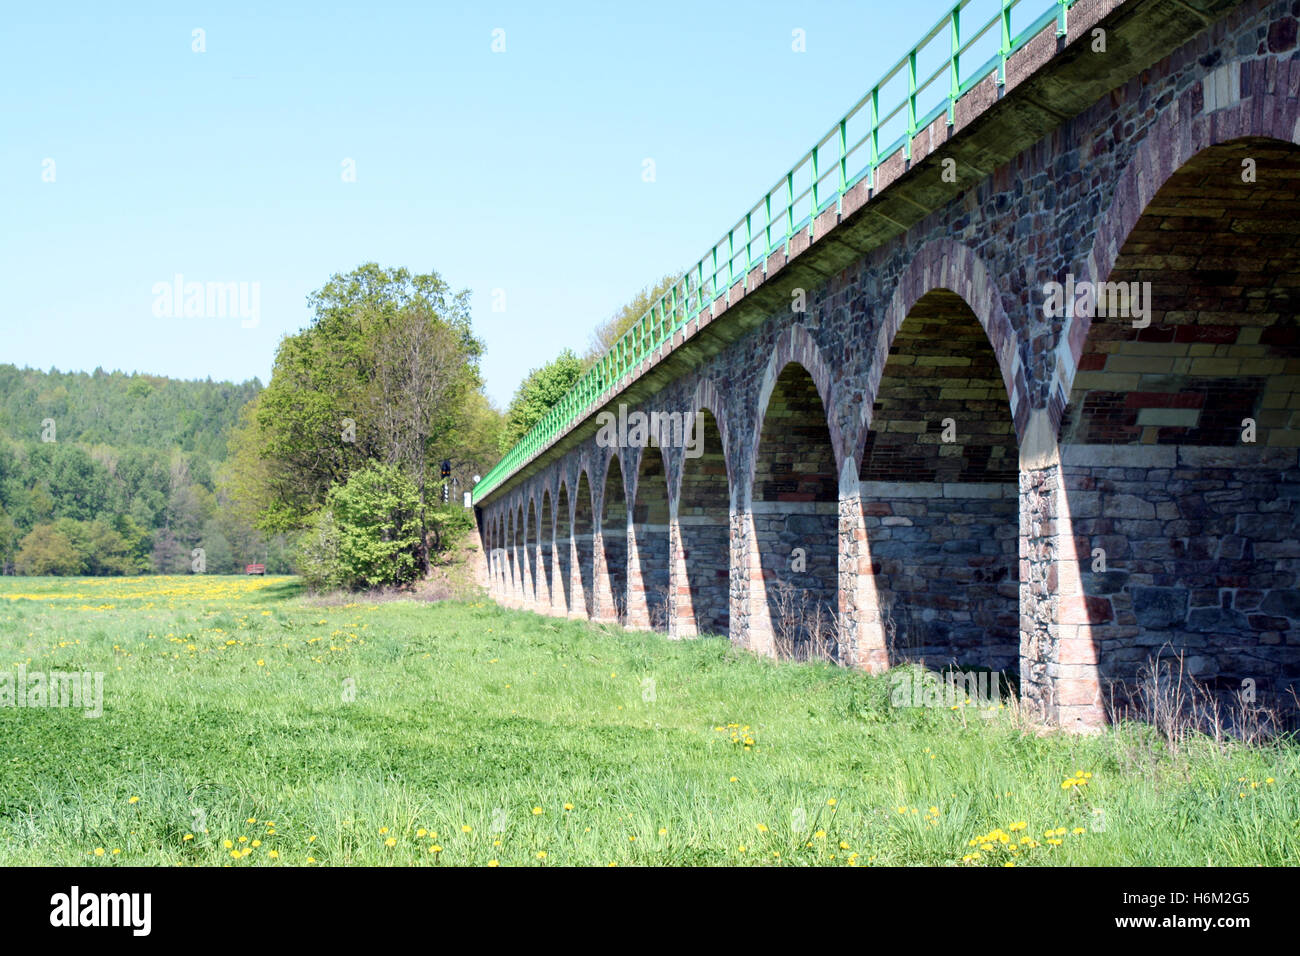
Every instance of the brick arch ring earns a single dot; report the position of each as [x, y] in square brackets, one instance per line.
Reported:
[1169, 145]
[708, 397]
[946, 264]
[795, 345]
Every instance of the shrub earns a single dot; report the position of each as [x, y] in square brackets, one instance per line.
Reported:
[377, 514]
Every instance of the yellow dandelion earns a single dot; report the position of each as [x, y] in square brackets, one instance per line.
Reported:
[134, 800]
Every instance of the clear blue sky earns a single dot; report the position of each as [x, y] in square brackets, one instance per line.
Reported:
[519, 171]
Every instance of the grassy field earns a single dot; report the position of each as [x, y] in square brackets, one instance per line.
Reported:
[244, 724]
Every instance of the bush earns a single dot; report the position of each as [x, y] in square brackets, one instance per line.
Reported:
[317, 555]
[448, 526]
[377, 516]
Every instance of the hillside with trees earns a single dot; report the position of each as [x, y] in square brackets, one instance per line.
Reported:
[115, 473]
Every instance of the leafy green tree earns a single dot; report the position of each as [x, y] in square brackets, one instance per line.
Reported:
[218, 556]
[380, 375]
[537, 394]
[8, 541]
[45, 551]
[609, 331]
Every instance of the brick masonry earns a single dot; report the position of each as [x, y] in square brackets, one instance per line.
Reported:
[823, 428]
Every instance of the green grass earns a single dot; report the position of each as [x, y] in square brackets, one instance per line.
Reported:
[224, 703]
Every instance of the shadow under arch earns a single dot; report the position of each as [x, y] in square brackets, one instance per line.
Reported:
[613, 536]
[704, 526]
[563, 592]
[1179, 475]
[650, 532]
[939, 489]
[583, 545]
[793, 504]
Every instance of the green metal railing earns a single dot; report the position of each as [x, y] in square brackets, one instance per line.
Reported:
[851, 152]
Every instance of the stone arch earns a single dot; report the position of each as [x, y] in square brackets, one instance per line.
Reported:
[562, 589]
[611, 565]
[534, 586]
[584, 511]
[648, 547]
[1173, 533]
[705, 500]
[789, 594]
[707, 397]
[1173, 140]
[947, 264]
[793, 346]
[938, 484]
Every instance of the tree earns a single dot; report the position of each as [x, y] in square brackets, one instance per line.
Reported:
[537, 394]
[45, 551]
[8, 542]
[381, 375]
[609, 331]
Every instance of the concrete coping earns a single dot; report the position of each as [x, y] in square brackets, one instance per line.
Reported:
[1175, 456]
[882, 490]
[794, 508]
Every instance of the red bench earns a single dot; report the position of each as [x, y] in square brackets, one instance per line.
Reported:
[255, 569]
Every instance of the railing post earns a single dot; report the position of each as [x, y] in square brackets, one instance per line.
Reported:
[789, 209]
[1062, 10]
[954, 66]
[911, 103]
[767, 230]
[1006, 41]
[812, 214]
[875, 133]
[844, 158]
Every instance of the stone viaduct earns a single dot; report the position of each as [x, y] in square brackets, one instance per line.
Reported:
[931, 461]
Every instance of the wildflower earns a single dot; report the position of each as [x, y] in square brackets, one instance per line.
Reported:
[274, 854]
[421, 832]
[435, 849]
[494, 863]
[390, 842]
[541, 854]
[227, 844]
[537, 811]
[762, 828]
[134, 800]
[568, 806]
[256, 843]
[187, 837]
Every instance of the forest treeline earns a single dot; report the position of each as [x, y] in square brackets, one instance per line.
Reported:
[115, 473]
[334, 469]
